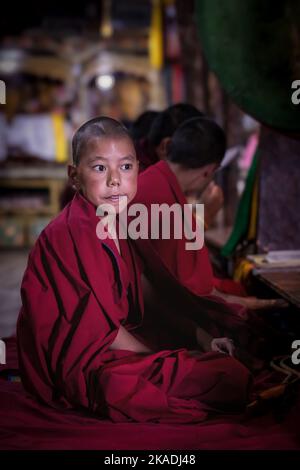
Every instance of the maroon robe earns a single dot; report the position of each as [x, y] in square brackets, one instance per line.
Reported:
[76, 292]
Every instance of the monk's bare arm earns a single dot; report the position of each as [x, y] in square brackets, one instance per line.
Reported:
[125, 340]
[251, 303]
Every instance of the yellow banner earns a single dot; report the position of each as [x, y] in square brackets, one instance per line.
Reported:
[61, 146]
[156, 36]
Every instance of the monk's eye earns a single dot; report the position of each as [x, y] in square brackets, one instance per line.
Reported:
[100, 168]
[127, 166]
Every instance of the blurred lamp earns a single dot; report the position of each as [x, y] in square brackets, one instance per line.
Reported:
[105, 82]
[11, 61]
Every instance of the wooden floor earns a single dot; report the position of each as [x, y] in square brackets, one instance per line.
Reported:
[12, 266]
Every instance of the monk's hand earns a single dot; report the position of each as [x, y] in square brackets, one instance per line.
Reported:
[213, 200]
[223, 345]
[253, 303]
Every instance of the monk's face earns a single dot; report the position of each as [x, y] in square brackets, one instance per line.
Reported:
[107, 172]
[193, 181]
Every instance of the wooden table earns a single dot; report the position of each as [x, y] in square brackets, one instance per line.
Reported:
[286, 283]
[29, 199]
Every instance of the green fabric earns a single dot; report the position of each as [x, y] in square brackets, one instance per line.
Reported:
[253, 47]
[241, 222]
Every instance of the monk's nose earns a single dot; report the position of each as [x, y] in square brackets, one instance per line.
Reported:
[114, 179]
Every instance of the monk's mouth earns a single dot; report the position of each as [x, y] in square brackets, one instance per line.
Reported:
[116, 198]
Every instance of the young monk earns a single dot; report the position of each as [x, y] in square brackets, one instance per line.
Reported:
[189, 157]
[163, 127]
[81, 302]
[194, 153]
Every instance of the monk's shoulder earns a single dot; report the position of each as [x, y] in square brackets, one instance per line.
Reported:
[152, 186]
[57, 229]
[151, 174]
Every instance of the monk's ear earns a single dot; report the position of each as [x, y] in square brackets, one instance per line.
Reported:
[73, 177]
[164, 147]
[209, 170]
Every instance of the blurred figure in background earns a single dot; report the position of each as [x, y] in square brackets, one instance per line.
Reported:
[139, 131]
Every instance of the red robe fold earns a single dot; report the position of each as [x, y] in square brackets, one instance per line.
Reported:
[75, 296]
